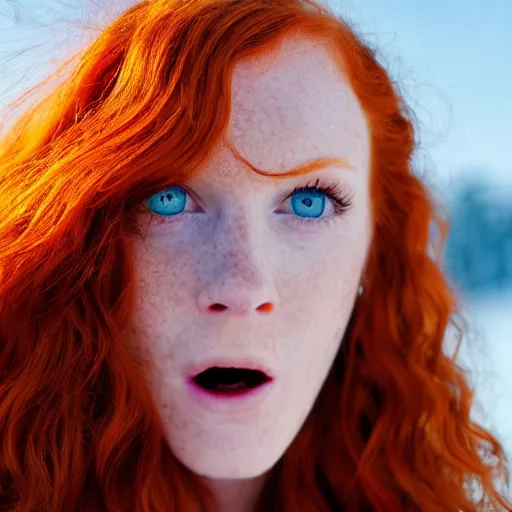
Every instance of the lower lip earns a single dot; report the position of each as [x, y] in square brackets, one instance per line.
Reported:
[234, 402]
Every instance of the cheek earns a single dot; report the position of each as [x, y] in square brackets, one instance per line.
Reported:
[322, 299]
[163, 279]
[318, 296]
[324, 277]
[159, 288]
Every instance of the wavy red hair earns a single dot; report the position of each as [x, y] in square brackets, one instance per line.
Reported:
[145, 105]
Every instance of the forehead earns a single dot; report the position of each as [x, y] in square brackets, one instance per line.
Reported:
[294, 105]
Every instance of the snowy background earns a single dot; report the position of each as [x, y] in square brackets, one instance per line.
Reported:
[449, 58]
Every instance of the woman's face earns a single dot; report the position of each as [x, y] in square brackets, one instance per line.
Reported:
[238, 269]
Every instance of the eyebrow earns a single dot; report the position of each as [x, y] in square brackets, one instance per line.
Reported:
[307, 167]
[304, 168]
[317, 164]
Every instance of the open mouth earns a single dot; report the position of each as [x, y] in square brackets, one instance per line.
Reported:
[230, 380]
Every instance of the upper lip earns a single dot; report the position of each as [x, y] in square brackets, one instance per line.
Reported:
[248, 362]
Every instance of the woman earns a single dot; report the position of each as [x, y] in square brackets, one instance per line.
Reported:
[218, 289]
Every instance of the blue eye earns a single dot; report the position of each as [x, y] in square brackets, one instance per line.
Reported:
[170, 201]
[308, 203]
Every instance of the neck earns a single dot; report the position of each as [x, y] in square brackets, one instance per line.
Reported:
[237, 495]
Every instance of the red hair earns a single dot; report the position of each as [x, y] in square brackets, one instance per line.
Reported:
[146, 104]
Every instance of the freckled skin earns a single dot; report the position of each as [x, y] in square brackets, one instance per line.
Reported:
[241, 249]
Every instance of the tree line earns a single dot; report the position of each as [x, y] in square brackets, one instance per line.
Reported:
[478, 255]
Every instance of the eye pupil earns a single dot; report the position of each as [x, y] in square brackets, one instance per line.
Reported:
[168, 196]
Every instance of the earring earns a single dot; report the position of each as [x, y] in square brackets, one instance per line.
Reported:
[361, 290]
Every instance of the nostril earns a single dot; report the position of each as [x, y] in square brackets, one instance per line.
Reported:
[267, 307]
[217, 307]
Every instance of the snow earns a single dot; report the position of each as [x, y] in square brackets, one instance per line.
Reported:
[488, 354]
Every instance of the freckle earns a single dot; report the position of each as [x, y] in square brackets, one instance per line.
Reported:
[241, 227]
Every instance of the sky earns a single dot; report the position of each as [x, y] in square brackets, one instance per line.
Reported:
[452, 60]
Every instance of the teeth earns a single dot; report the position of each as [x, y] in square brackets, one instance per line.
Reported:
[230, 387]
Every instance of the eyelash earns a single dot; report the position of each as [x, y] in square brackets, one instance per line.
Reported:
[342, 202]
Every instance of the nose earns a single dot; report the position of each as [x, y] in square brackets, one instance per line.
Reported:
[239, 281]
[240, 288]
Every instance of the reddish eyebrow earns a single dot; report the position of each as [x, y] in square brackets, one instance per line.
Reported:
[304, 168]
[307, 167]
[317, 164]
